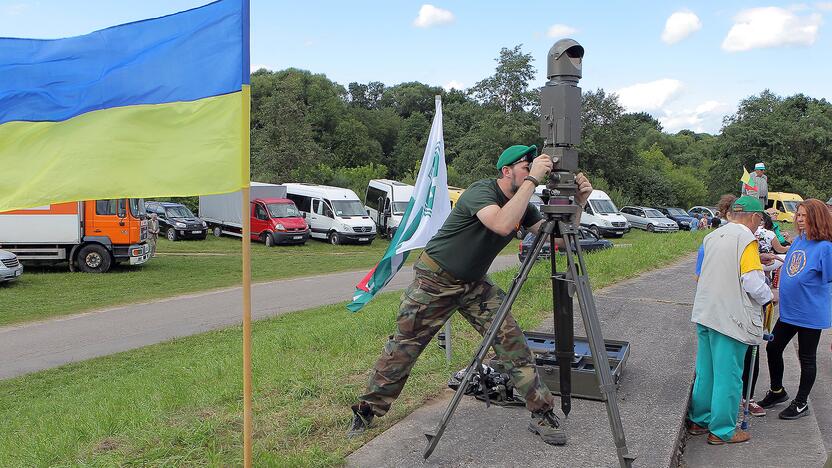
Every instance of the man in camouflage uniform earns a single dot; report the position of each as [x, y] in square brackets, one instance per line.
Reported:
[451, 275]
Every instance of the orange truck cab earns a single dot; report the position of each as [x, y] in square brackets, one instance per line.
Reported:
[90, 236]
[276, 221]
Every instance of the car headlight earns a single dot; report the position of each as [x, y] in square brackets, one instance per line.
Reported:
[280, 227]
[180, 225]
[348, 228]
[204, 224]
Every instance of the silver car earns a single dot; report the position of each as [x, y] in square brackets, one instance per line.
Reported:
[10, 267]
[649, 219]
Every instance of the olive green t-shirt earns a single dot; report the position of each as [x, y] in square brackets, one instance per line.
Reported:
[464, 247]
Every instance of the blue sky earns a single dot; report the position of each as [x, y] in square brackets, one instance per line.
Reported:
[686, 63]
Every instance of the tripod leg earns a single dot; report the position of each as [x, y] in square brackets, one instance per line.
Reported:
[564, 331]
[488, 339]
[596, 339]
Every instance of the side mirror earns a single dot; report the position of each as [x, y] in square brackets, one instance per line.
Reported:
[122, 209]
[304, 214]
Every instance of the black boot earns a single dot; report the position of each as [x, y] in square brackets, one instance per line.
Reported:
[362, 418]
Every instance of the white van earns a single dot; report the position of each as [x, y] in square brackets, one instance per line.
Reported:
[602, 217]
[333, 213]
[386, 201]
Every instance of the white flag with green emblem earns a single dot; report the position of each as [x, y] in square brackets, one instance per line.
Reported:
[428, 208]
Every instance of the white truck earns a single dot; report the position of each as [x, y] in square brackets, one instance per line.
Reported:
[386, 201]
[334, 214]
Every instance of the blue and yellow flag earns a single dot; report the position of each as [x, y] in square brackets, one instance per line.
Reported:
[158, 107]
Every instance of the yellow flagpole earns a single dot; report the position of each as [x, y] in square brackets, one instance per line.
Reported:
[246, 210]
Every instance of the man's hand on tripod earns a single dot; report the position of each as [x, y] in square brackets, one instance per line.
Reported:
[584, 189]
[540, 167]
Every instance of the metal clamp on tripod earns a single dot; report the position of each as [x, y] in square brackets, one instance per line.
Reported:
[560, 126]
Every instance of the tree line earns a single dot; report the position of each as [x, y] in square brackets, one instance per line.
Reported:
[308, 128]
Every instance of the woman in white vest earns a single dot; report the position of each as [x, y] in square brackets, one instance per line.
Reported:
[727, 313]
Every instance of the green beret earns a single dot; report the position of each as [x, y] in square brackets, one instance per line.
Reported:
[748, 204]
[512, 154]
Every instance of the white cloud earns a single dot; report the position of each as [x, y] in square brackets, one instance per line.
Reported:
[430, 15]
[706, 117]
[825, 6]
[15, 9]
[453, 84]
[680, 25]
[649, 96]
[770, 27]
[560, 30]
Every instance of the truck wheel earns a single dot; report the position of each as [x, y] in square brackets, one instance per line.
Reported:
[217, 231]
[171, 234]
[94, 258]
[268, 239]
[334, 239]
[594, 230]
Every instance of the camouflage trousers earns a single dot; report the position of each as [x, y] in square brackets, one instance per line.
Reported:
[426, 304]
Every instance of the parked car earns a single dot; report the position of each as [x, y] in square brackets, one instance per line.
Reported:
[648, 219]
[10, 267]
[682, 218]
[710, 211]
[785, 203]
[589, 242]
[602, 217]
[177, 221]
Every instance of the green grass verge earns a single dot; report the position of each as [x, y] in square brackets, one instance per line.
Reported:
[179, 403]
[181, 267]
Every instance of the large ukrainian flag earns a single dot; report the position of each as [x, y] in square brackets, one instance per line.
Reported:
[153, 108]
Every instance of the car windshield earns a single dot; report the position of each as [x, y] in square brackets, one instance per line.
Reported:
[791, 206]
[653, 213]
[348, 208]
[283, 210]
[137, 208]
[603, 206]
[400, 207]
[677, 212]
[178, 212]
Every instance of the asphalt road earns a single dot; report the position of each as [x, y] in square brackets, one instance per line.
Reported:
[43, 345]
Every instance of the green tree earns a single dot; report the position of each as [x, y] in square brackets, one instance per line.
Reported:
[508, 89]
[410, 98]
[410, 145]
[792, 136]
[281, 137]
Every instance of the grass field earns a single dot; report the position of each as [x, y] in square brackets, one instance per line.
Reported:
[180, 267]
[179, 403]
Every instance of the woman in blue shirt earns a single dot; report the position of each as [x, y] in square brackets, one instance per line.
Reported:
[805, 305]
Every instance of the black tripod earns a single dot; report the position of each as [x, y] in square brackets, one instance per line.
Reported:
[559, 224]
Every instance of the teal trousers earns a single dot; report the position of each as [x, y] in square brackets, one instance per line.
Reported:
[717, 389]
